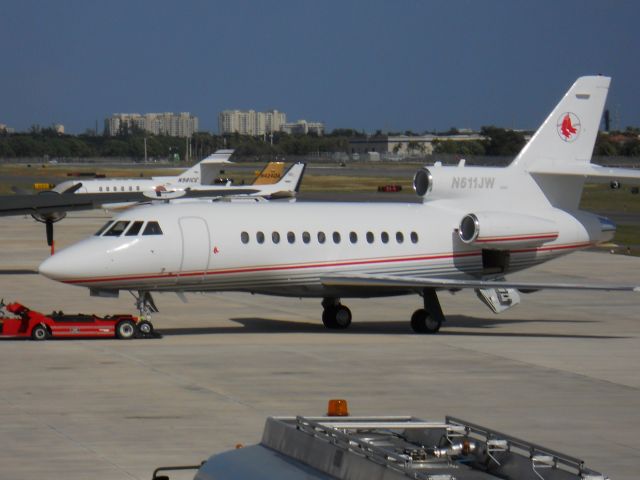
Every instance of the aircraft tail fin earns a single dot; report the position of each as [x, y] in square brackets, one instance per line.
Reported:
[564, 142]
[270, 174]
[289, 184]
[204, 172]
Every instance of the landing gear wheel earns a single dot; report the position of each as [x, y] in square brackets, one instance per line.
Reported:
[336, 317]
[125, 329]
[422, 322]
[145, 328]
[39, 333]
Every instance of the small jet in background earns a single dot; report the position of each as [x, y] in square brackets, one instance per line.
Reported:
[51, 206]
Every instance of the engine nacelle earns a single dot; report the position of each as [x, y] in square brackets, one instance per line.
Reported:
[443, 182]
[503, 230]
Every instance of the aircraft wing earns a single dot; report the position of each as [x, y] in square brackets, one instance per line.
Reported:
[418, 283]
[53, 202]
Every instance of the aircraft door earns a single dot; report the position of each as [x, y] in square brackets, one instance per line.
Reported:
[196, 246]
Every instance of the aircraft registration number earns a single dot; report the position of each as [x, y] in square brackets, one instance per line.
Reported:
[473, 182]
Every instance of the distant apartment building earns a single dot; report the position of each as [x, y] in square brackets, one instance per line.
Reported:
[250, 122]
[302, 127]
[172, 124]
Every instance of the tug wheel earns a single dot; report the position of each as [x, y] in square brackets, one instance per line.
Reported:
[125, 329]
[39, 333]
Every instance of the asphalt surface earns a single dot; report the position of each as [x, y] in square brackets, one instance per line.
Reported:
[562, 369]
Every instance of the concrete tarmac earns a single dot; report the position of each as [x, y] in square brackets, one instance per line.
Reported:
[562, 369]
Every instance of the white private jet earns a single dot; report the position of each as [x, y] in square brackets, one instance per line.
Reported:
[202, 173]
[475, 225]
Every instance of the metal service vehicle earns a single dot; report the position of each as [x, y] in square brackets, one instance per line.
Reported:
[16, 321]
[386, 448]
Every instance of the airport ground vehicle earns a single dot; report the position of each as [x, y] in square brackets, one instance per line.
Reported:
[16, 320]
[389, 448]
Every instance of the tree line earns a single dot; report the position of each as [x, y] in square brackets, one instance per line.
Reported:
[46, 142]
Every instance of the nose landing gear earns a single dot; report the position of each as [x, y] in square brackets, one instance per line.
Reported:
[146, 306]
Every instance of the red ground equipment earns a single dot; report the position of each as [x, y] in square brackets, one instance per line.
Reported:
[16, 320]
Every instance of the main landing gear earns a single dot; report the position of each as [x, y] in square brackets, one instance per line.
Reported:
[336, 316]
[146, 306]
[428, 319]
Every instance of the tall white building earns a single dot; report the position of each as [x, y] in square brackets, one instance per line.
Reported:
[172, 124]
[250, 122]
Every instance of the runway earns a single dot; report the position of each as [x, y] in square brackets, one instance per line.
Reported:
[562, 369]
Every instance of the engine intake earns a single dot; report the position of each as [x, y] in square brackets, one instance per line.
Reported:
[503, 230]
[423, 182]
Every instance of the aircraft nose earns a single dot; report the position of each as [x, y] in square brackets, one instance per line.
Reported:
[55, 267]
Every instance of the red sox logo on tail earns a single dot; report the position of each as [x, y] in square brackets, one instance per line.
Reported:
[568, 126]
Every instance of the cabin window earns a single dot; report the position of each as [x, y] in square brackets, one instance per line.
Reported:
[244, 237]
[414, 237]
[399, 237]
[107, 189]
[103, 228]
[275, 237]
[306, 237]
[137, 188]
[321, 237]
[152, 228]
[291, 237]
[134, 229]
[260, 237]
[130, 188]
[99, 189]
[384, 236]
[117, 229]
[353, 237]
[370, 237]
[336, 237]
[122, 189]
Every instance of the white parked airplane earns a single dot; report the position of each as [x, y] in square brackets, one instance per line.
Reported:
[475, 225]
[203, 173]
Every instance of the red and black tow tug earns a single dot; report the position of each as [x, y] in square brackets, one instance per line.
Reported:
[17, 321]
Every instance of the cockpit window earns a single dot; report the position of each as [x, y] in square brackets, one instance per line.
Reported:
[117, 229]
[134, 229]
[103, 228]
[152, 228]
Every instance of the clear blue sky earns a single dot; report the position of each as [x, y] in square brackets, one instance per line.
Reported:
[391, 65]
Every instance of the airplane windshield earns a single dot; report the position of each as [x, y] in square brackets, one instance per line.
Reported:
[117, 229]
[103, 228]
[152, 228]
[134, 229]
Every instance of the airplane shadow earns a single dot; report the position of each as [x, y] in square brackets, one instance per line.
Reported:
[269, 325]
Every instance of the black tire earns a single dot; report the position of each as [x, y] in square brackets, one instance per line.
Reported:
[125, 330]
[422, 322]
[145, 328]
[328, 317]
[39, 333]
[337, 317]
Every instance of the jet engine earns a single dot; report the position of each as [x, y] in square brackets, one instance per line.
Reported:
[502, 230]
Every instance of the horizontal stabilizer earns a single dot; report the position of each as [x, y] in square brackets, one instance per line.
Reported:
[589, 171]
[402, 282]
[219, 156]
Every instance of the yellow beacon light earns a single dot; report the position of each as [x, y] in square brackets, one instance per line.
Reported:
[338, 408]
